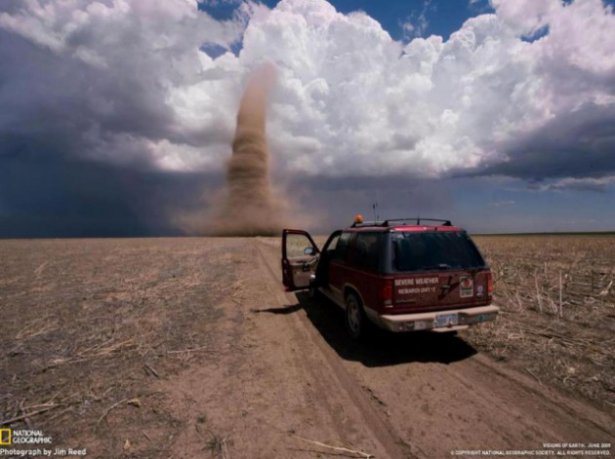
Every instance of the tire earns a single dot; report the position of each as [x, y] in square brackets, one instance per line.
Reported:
[357, 323]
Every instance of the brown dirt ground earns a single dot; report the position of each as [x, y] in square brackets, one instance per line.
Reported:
[182, 348]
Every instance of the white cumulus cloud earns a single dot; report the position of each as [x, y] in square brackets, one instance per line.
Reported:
[128, 80]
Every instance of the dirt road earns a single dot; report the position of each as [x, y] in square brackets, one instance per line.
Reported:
[299, 380]
[236, 367]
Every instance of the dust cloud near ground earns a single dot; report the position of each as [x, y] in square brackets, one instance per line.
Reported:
[248, 206]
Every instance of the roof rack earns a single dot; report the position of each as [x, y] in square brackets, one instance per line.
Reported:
[389, 222]
[418, 220]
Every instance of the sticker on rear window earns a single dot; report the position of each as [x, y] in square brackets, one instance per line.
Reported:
[466, 287]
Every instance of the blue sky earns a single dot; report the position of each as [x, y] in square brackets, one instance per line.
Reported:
[429, 17]
[119, 121]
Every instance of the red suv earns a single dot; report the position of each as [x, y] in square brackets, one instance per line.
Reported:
[398, 275]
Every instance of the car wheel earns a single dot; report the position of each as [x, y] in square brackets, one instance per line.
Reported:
[356, 321]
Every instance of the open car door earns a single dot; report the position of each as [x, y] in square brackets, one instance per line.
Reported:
[299, 259]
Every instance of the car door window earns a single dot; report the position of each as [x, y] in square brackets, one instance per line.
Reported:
[331, 247]
[341, 248]
[299, 246]
[366, 253]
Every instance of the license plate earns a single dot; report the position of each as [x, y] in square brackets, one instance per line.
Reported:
[444, 320]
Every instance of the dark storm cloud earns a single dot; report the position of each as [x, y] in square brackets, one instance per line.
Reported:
[577, 144]
[101, 101]
[53, 197]
[330, 203]
[47, 94]
[63, 171]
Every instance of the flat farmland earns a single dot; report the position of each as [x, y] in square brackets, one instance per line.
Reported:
[557, 296]
[189, 347]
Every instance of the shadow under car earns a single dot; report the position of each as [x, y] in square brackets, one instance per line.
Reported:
[381, 348]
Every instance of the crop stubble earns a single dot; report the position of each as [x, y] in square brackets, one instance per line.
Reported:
[91, 327]
[557, 323]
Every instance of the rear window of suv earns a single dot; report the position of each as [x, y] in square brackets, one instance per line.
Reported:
[431, 250]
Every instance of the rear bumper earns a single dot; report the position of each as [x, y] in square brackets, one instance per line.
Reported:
[437, 321]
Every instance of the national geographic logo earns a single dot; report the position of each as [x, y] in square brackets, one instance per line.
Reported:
[28, 437]
[6, 437]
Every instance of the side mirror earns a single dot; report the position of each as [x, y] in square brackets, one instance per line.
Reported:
[310, 251]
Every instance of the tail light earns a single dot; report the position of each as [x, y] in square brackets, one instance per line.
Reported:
[386, 293]
[489, 284]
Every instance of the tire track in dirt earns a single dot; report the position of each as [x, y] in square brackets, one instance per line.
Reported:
[264, 390]
[554, 403]
[344, 384]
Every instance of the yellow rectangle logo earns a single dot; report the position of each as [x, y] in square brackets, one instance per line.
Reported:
[6, 437]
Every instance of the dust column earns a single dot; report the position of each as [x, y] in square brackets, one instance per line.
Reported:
[249, 207]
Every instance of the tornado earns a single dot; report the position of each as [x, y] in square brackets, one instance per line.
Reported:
[248, 206]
